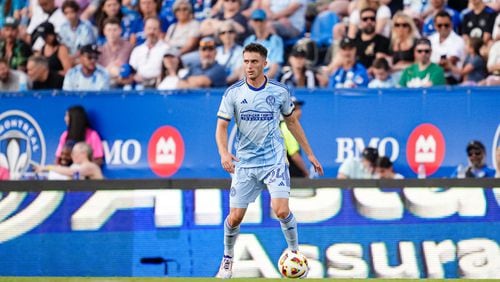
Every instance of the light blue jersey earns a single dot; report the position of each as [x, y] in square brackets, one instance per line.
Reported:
[256, 112]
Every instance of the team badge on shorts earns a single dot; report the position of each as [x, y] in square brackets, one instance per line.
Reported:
[233, 192]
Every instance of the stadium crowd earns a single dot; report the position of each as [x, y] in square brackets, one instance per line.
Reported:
[166, 44]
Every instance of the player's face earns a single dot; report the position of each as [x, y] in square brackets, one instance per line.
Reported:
[254, 64]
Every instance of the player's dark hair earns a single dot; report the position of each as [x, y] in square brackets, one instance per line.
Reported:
[256, 48]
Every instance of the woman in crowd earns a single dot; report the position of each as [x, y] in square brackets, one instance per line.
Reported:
[57, 53]
[79, 129]
[171, 70]
[184, 34]
[231, 10]
[229, 53]
[403, 37]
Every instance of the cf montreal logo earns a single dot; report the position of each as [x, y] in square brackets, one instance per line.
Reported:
[425, 146]
[21, 142]
[166, 151]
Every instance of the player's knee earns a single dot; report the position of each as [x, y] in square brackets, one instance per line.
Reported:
[235, 219]
[282, 213]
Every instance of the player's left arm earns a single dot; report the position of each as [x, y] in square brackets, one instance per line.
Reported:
[293, 124]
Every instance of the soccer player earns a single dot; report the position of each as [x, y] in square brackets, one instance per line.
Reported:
[256, 104]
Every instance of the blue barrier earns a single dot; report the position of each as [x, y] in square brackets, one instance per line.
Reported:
[411, 126]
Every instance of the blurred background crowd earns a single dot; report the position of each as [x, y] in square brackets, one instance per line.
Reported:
[166, 44]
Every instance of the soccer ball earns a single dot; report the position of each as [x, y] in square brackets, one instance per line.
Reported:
[293, 265]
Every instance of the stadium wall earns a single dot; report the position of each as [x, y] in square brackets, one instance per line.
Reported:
[358, 233]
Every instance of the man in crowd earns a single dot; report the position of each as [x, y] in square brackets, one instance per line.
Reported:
[369, 44]
[87, 75]
[348, 72]
[448, 48]
[206, 73]
[272, 42]
[147, 58]
[479, 21]
[423, 73]
[15, 51]
[75, 32]
[477, 168]
[359, 168]
[435, 7]
[41, 76]
[11, 80]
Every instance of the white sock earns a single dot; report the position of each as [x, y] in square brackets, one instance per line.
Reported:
[289, 228]
[230, 235]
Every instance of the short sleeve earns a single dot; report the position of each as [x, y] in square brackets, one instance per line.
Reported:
[94, 140]
[226, 108]
[287, 105]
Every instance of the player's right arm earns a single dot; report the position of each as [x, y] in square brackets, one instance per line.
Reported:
[226, 158]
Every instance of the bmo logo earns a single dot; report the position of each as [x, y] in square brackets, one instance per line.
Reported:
[425, 146]
[166, 151]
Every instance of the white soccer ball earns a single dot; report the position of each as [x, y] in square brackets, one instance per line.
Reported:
[293, 265]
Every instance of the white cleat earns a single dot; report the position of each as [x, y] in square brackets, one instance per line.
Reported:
[226, 268]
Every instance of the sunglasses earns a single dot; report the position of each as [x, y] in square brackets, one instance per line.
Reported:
[92, 57]
[426, 51]
[226, 31]
[207, 48]
[401, 25]
[443, 25]
[365, 19]
[476, 153]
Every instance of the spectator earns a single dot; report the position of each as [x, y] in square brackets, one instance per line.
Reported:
[296, 163]
[206, 73]
[287, 17]
[447, 46]
[383, 17]
[493, 65]
[43, 11]
[184, 34]
[347, 72]
[478, 21]
[65, 158]
[11, 80]
[15, 51]
[171, 71]
[82, 167]
[272, 42]
[56, 53]
[41, 76]
[403, 38]
[369, 44]
[116, 51]
[12, 9]
[474, 68]
[79, 129]
[359, 168]
[382, 74]
[322, 25]
[228, 54]
[384, 169]
[297, 74]
[113, 9]
[496, 29]
[146, 59]
[74, 32]
[148, 9]
[423, 73]
[231, 10]
[477, 167]
[87, 75]
[436, 7]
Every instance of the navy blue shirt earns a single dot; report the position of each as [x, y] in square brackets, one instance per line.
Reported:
[215, 72]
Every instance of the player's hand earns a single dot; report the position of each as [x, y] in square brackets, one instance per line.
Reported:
[317, 166]
[227, 162]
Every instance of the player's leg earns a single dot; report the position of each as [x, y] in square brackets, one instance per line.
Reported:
[277, 180]
[244, 190]
[287, 221]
